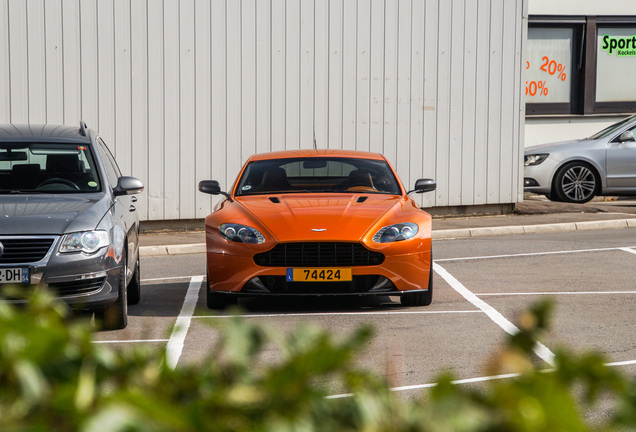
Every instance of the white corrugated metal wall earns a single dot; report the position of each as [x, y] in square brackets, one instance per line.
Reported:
[185, 90]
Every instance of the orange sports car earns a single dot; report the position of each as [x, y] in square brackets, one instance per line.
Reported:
[318, 222]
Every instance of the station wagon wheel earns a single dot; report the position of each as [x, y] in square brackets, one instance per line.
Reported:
[134, 287]
[576, 182]
[115, 315]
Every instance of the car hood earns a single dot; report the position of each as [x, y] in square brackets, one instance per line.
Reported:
[565, 146]
[51, 214]
[334, 217]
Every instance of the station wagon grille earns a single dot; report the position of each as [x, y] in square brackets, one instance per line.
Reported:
[27, 250]
[318, 255]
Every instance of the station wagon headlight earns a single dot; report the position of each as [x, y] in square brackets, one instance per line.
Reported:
[241, 233]
[395, 233]
[534, 159]
[87, 241]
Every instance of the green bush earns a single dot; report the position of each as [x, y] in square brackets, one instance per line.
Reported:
[53, 378]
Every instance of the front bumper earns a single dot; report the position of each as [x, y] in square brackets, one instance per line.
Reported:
[538, 178]
[396, 275]
[81, 280]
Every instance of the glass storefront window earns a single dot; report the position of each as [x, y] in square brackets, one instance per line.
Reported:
[549, 65]
[616, 64]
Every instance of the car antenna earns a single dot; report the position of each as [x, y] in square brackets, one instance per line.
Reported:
[315, 146]
[83, 128]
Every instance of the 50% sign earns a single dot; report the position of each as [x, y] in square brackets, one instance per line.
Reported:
[539, 87]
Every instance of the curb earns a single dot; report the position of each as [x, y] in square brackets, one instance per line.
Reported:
[181, 249]
[534, 229]
[197, 248]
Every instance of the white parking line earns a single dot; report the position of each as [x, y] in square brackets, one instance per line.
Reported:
[626, 249]
[330, 314]
[622, 363]
[180, 330]
[170, 278]
[475, 380]
[555, 293]
[541, 350]
[430, 385]
[129, 341]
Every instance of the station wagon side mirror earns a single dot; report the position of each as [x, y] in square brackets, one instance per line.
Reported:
[211, 187]
[626, 136]
[424, 185]
[128, 186]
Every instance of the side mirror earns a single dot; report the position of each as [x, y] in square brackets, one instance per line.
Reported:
[626, 136]
[128, 186]
[211, 187]
[424, 185]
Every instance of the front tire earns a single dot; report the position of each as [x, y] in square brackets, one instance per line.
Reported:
[576, 182]
[424, 298]
[115, 315]
[134, 287]
[216, 300]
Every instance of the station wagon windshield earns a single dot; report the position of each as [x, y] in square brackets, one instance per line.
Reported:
[47, 168]
[315, 175]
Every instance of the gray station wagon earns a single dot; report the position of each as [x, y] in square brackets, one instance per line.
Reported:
[68, 222]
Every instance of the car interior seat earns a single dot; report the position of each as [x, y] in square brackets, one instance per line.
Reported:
[359, 178]
[66, 166]
[274, 179]
[25, 176]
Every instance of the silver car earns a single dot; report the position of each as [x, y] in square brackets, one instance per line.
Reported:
[577, 171]
[68, 222]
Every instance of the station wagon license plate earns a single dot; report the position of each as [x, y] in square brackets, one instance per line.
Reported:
[319, 275]
[15, 275]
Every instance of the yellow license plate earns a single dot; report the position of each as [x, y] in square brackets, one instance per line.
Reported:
[319, 275]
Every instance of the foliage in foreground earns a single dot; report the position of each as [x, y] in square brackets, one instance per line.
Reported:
[53, 378]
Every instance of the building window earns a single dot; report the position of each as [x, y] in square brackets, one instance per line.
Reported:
[550, 74]
[580, 65]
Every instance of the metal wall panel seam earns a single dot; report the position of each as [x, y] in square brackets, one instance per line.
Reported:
[203, 106]
[5, 64]
[187, 110]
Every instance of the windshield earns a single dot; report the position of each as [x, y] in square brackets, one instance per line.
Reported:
[47, 168]
[613, 128]
[318, 174]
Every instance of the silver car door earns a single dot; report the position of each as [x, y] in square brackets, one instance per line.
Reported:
[621, 162]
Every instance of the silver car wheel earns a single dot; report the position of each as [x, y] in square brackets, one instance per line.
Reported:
[576, 183]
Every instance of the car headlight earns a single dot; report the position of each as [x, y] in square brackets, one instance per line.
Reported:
[534, 159]
[87, 241]
[396, 232]
[241, 233]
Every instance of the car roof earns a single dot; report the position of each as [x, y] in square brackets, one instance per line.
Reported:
[42, 133]
[306, 153]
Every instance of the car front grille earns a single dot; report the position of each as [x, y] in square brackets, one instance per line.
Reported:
[318, 254]
[24, 250]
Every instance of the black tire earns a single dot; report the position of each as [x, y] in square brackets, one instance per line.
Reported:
[115, 315]
[134, 287]
[576, 182]
[216, 300]
[422, 298]
[552, 197]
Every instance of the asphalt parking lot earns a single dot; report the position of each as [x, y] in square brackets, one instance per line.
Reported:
[482, 283]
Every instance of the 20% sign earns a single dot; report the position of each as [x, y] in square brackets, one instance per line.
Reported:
[539, 87]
